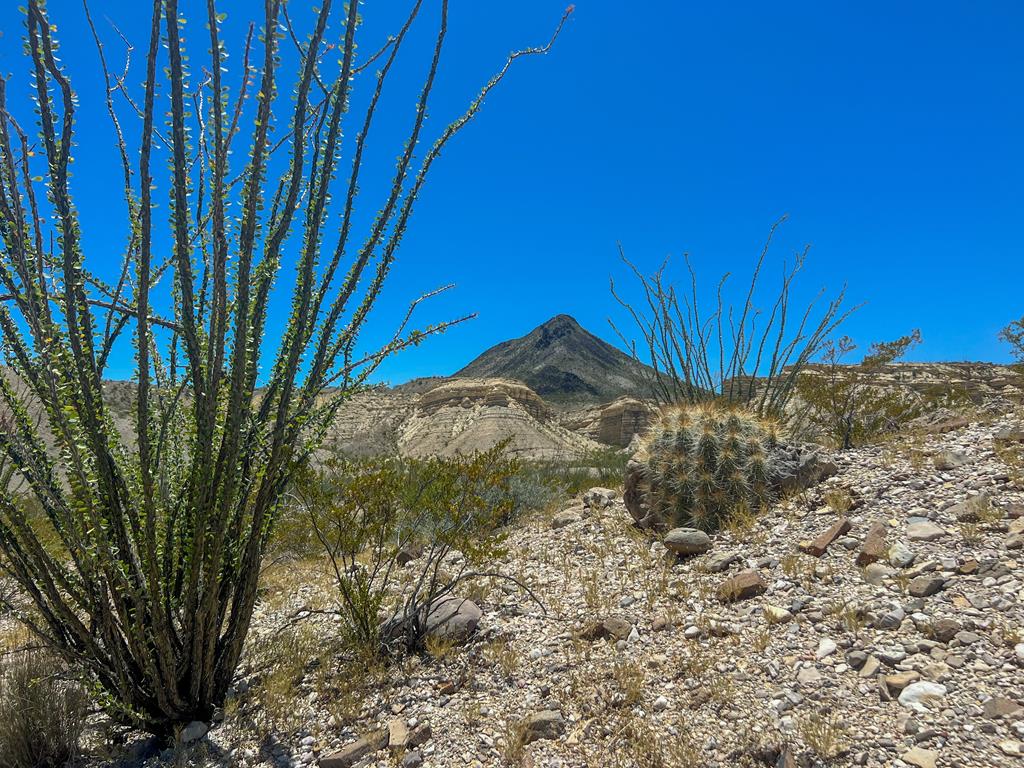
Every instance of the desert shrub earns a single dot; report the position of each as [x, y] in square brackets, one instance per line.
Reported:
[162, 528]
[1013, 334]
[846, 403]
[538, 485]
[42, 712]
[733, 354]
[707, 463]
[440, 514]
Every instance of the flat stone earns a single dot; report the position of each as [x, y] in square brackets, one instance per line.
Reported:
[896, 683]
[1000, 706]
[808, 676]
[821, 542]
[398, 734]
[742, 586]
[924, 531]
[922, 758]
[925, 586]
[563, 519]
[873, 549]
[687, 541]
[351, 754]
[546, 724]
[717, 562]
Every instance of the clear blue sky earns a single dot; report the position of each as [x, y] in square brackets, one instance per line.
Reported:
[891, 133]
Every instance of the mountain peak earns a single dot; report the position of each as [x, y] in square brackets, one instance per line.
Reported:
[564, 363]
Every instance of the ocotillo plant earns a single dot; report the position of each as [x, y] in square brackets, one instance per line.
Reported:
[741, 355]
[704, 463]
[146, 572]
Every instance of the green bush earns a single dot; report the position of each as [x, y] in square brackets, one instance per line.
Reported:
[1013, 334]
[156, 497]
[704, 464]
[442, 514]
[846, 403]
[42, 714]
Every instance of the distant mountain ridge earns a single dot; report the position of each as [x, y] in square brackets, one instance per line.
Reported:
[563, 363]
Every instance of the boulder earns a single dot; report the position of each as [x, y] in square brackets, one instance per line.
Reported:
[798, 466]
[452, 618]
[687, 541]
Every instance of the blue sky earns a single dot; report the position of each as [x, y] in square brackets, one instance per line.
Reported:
[889, 132]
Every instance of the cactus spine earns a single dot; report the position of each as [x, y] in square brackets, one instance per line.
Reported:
[705, 463]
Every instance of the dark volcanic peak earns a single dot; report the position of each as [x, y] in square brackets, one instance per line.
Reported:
[563, 363]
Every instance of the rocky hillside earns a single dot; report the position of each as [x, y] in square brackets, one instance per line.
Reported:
[456, 415]
[564, 364]
[873, 620]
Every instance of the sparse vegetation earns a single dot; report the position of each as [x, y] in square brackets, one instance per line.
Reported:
[42, 711]
[731, 354]
[824, 733]
[161, 534]
[441, 514]
[844, 403]
[1013, 334]
[706, 464]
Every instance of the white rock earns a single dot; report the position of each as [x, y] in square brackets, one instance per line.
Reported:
[917, 695]
[660, 704]
[826, 647]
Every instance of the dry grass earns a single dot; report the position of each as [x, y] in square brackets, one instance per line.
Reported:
[824, 734]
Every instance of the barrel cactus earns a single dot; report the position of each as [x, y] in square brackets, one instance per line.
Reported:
[698, 465]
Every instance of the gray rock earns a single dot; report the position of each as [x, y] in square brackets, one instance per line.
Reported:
[452, 618]
[900, 555]
[891, 619]
[716, 562]
[948, 460]
[562, 519]
[546, 724]
[924, 531]
[687, 541]
[193, 732]
[925, 586]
